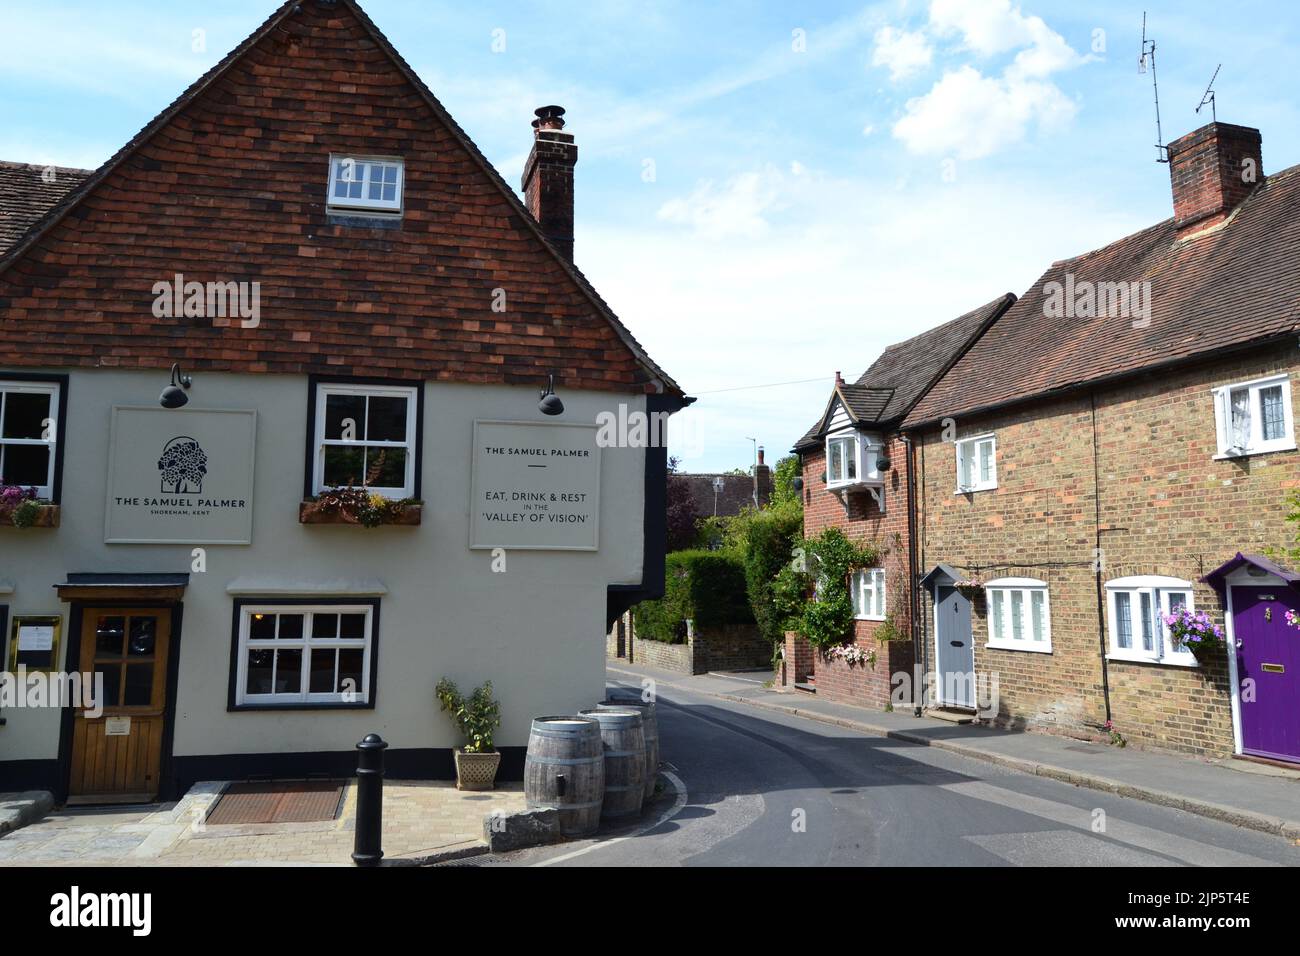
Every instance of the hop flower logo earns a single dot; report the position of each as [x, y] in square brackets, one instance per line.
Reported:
[183, 465]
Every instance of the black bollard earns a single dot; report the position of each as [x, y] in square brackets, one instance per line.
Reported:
[370, 801]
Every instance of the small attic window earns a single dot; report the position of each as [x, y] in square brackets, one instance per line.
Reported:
[364, 184]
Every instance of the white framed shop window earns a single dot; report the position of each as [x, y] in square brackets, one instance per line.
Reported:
[304, 655]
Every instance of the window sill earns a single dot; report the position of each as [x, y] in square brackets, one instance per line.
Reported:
[975, 488]
[46, 517]
[1033, 647]
[1161, 661]
[864, 618]
[308, 705]
[408, 516]
[1252, 452]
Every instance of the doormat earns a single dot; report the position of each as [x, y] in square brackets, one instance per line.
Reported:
[307, 801]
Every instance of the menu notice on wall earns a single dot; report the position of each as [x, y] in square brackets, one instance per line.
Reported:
[536, 486]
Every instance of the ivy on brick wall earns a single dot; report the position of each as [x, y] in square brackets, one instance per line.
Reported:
[826, 618]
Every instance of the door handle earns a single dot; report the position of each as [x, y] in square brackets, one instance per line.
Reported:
[1238, 643]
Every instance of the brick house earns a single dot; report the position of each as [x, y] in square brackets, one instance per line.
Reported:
[1118, 443]
[410, 309]
[856, 476]
[724, 494]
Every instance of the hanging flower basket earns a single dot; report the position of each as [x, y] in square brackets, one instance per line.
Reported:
[969, 587]
[1197, 633]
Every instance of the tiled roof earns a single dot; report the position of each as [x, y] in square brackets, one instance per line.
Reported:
[28, 192]
[905, 370]
[228, 184]
[737, 492]
[1226, 287]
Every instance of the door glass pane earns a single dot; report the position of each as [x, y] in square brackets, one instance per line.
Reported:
[995, 613]
[1123, 620]
[139, 685]
[322, 671]
[350, 671]
[290, 627]
[259, 672]
[144, 635]
[288, 671]
[26, 465]
[109, 634]
[1270, 404]
[111, 677]
[25, 415]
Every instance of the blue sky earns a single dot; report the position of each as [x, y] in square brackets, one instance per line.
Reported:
[765, 195]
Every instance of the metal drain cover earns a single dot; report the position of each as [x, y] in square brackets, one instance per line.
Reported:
[297, 802]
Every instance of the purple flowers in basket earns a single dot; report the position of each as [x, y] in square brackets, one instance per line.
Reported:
[11, 496]
[1192, 630]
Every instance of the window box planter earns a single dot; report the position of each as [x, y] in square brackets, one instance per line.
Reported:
[30, 515]
[346, 506]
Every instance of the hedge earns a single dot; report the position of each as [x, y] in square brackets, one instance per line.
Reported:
[707, 587]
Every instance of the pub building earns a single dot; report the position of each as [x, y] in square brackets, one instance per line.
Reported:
[303, 276]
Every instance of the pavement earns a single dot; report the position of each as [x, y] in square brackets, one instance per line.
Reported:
[1245, 794]
[424, 821]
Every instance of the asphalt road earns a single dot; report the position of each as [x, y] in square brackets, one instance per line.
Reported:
[764, 788]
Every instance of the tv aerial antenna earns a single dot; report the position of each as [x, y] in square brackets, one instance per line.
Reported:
[1149, 56]
[1208, 95]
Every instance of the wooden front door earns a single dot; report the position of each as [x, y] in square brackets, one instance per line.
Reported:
[1268, 669]
[117, 754]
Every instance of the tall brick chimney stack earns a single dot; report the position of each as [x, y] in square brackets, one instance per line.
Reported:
[548, 178]
[1212, 169]
[838, 379]
[762, 481]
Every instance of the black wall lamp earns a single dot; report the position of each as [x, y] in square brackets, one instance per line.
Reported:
[550, 403]
[173, 396]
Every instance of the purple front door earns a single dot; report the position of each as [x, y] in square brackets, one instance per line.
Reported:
[1268, 671]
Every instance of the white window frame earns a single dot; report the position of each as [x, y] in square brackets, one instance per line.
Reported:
[1256, 445]
[867, 592]
[363, 203]
[973, 444]
[1161, 591]
[854, 442]
[1001, 632]
[305, 644]
[17, 386]
[410, 392]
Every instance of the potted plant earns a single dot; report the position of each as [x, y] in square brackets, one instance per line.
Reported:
[476, 717]
[1197, 633]
[349, 505]
[21, 508]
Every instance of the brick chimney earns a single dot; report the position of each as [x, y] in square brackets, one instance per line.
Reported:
[548, 178]
[838, 379]
[1212, 170]
[762, 481]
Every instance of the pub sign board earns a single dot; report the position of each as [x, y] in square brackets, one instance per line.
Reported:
[180, 476]
[535, 486]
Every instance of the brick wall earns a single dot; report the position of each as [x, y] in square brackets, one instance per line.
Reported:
[864, 522]
[733, 647]
[1163, 506]
[669, 657]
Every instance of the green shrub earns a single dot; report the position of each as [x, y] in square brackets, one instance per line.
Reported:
[707, 587]
[832, 557]
[477, 718]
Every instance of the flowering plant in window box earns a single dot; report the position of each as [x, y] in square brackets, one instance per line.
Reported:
[851, 654]
[22, 508]
[358, 506]
[1197, 633]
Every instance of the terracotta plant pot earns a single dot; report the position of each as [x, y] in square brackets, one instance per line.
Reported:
[476, 771]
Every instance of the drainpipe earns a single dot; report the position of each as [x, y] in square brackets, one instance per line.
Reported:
[1098, 560]
[913, 594]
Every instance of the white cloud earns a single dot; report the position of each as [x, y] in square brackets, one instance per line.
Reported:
[902, 52]
[970, 114]
[737, 208]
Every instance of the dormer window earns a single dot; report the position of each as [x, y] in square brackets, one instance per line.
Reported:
[366, 184]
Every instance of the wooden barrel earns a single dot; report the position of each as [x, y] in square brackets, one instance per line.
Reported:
[650, 728]
[624, 742]
[565, 769]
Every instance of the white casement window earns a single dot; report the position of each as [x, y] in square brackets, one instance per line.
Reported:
[29, 414]
[1020, 616]
[868, 594]
[843, 459]
[1254, 417]
[977, 468]
[366, 437]
[301, 654]
[1135, 609]
[366, 184]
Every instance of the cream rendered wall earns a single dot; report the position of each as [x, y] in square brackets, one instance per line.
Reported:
[537, 630]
